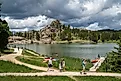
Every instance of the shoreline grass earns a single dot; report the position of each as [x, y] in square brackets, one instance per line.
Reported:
[75, 64]
[72, 64]
[24, 52]
[32, 51]
[6, 66]
[7, 51]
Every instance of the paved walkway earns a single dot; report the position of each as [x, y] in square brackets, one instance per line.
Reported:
[61, 74]
[11, 58]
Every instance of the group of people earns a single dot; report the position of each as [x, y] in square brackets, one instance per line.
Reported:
[61, 64]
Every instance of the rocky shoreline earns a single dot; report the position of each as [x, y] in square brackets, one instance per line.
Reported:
[51, 42]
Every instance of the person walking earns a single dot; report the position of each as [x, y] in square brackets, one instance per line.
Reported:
[60, 66]
[18, 48]
[63, 64]
[98, 56]
[50, 64]
[83, 66]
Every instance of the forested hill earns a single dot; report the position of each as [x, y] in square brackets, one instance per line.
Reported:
[58, 31]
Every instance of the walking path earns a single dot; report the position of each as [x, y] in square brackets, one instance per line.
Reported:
[62, 74]
[11, 57]
[97, 64]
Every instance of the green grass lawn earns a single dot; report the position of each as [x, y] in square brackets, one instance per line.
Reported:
[43, 78]
[97, 78]
[24, 52]
[8, 51]
[58, 78]
[32, 51]
[72, 64]
[32, 60]
[6, 66]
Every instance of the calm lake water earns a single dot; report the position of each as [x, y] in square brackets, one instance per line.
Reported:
[88, 51]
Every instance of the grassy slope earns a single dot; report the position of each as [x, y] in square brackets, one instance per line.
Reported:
[27, 53]
[43, 78]
[97, 78]
[32, 51]
[72, 64]
[7, 51]
[58, 78]
[6, 66]
[32, 60]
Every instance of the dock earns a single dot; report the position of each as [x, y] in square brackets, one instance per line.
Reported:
[97, 64]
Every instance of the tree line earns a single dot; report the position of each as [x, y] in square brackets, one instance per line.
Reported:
[65, 32]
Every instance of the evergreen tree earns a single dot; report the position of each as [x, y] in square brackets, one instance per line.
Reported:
[4, 34]
[94, 37]
[113, 61]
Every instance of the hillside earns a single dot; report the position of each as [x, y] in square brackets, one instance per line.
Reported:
[57, 31]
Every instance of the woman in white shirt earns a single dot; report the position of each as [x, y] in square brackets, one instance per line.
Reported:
[50, 64]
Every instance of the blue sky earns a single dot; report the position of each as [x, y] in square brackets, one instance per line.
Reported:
[36, 14]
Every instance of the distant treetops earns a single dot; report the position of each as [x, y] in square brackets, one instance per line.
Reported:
[58, 31]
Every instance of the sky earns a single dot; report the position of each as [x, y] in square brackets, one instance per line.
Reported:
[24, 15]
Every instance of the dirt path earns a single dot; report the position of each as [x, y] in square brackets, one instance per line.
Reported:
[11, 58]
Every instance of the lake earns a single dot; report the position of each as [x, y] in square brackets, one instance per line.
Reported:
[88, 51]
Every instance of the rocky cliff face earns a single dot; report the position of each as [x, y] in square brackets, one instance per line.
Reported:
[48, 34]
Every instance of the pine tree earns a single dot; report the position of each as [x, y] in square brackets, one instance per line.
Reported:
[114, 59]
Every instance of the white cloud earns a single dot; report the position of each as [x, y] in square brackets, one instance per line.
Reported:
[95, 26]
[112, 11]
[33, 22]
[93, 14]
[93, 6]
[19, 30]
